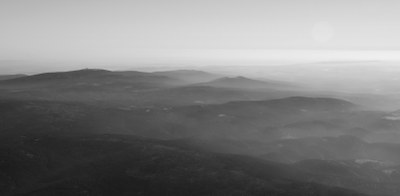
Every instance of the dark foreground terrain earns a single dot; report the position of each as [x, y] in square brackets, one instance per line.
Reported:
[97, 132]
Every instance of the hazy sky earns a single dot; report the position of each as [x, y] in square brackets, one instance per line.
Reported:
[157, 31]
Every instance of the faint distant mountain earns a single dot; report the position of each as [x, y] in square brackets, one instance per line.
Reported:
[90, 79]
[122, 88]
[243, 83]
[61, 75]
[190, 76]
[8, 77]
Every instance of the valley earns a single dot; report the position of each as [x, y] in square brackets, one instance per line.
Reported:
[99, 132]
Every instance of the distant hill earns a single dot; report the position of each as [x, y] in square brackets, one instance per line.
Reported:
[62, 75]
[134, 87]
[92, 79]
[190, 76]
[243, 83]
[8, 77]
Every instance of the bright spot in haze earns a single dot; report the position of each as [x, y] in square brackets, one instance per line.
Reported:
[322, 32]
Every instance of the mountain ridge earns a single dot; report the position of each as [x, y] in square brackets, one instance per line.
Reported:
[243, 83]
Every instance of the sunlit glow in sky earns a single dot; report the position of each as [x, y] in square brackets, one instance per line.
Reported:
[192, 31]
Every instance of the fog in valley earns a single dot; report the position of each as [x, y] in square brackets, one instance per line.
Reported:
[221, 98]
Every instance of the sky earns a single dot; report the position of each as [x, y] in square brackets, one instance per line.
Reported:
[198, 32]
